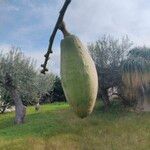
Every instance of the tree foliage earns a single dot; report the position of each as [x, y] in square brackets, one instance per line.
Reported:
[136, 76]
[108, 54]
[26, 78]
[57, 92]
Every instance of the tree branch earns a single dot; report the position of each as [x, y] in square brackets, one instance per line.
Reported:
[7, 84]
[2, 83]
[51, 40]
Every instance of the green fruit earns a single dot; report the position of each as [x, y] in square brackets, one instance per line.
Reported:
[78, 76]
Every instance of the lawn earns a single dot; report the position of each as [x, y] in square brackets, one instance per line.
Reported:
[55, 127]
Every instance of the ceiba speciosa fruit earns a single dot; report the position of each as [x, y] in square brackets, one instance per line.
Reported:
[78, 74]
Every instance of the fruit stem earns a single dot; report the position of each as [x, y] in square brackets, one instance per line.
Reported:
[63, 29]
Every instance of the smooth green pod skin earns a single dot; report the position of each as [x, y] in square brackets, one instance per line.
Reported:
[78, 75]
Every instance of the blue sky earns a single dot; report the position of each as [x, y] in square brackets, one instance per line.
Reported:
[29, 23]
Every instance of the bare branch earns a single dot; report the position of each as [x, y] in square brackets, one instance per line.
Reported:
[51, 40]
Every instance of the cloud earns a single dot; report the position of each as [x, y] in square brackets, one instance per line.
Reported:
[29, 23]
[38, 56]
[97, 17]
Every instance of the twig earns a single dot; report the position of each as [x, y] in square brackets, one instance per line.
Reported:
[51, 40]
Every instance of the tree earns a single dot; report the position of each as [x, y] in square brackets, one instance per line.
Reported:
[44, 84]
[57, 93]
[54, 92]
[17, 78]
[136, 76]
[23, 73]
[19, 107]
[26, 86]
[108, 54]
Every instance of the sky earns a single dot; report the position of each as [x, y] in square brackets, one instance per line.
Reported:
[28, 24]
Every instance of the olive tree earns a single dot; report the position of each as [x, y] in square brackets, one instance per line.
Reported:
[108, 54]
[17, 78]
[44, 85]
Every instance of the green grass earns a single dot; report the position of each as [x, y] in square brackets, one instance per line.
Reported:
[55, 127]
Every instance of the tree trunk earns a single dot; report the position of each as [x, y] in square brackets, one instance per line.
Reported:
[105, 98]
[125, 102]
[20, 109]
[37, 106]
[140, 99]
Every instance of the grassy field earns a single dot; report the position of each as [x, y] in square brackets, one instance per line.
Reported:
[55, 127]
